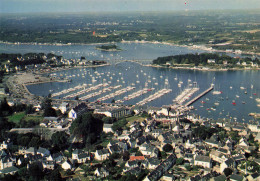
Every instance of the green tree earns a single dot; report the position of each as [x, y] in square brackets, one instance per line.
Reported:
[179, 161]
[119, 124]
[167, 148]
[228, 171]
[60, 139]
[35, 142]
[47, 107]
[35, 172]
[55, 176]
[5, 109]
[87, 127]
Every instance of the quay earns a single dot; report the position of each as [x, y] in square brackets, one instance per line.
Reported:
[200, 95]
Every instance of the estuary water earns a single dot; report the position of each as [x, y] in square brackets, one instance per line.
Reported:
[236, 99]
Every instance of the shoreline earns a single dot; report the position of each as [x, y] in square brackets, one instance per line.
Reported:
[194, 47]
[201, 68]
[69, 68]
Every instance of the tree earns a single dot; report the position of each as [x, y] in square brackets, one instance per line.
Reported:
[126, 155]
[60, 139]
[119, 124]
[5, 109]
[188, 167]
[55, 176]
[29, 109]
[228, 171]
[128, 177]
[87, 127]
[35, 142]
[179, 161]
[168, 110]
[35, 171]
[108, 120]
[167, 148]
[48, 110]
[4, 126]
[138, 153]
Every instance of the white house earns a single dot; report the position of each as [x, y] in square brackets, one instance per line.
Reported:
[101, 172]
[113, 112]
[102, 154]
[211, 61]
[3, 146]
[230, 163]
[5, 162]
[107, 128]
[63, 107]
[65, 165]
[203, 161]
[43, 151]
[72, 114]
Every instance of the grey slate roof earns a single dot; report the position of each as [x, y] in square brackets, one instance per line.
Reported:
[9, 170]
[202, 158]
[220, 178]
[83, 155]
[103, 151]
[236, 177]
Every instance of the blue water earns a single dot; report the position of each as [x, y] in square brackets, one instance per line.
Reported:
[131, 51]
[127, 72]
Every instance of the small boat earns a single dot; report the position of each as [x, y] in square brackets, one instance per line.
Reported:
[242, 88]
[216, 92]
[243, 102]
[237, 96]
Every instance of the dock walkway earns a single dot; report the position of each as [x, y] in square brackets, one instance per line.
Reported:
[199, 96]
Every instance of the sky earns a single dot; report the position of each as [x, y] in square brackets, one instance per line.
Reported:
[32, 6]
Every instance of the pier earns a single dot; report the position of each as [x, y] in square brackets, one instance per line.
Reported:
[152, 97]
[199, 96]
[117, 93]
[185, 95]
[135, 94]
[86, 90]
[100, 92]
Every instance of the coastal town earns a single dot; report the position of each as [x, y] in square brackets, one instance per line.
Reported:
[70, 138]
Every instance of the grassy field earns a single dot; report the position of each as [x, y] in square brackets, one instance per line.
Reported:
[35, 118]
[131, 119]
[16, 117]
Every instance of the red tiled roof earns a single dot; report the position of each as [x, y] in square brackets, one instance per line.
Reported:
[136, 158]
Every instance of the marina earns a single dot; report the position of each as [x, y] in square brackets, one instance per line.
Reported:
[185, 95]
[152, 97]
[135, 95]
[117, 93]
[107, 89]
[199, 96]
[86, 90]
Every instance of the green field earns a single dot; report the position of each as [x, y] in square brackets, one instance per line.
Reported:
[16, 117]
[131, 119]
